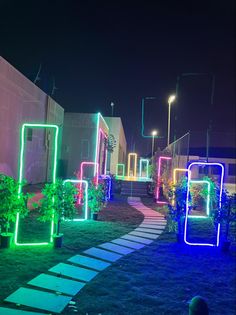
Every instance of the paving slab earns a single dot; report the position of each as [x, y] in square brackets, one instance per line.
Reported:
[39, 299]
[74, 272]
[103, 254]
[89, 262]
[147, 235]
[116, 248]
[152, 226]
[13, 311]
[138, 239]
[153, 231]
[127, 243]
[57, 284]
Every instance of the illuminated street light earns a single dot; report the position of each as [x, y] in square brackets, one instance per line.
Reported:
[170, 101]
[154, 133]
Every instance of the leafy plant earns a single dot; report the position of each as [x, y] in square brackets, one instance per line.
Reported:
[96, 200]
[176, 212]
[11, 202]
[58, 203]
[226, 215]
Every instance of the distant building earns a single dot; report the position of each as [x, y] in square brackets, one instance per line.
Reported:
[21, 101]
[119, 155]
[84, 140]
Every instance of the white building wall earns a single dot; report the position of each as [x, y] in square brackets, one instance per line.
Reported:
[119, 154]
[22, 101]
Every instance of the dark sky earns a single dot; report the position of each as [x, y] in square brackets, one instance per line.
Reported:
[121, 51]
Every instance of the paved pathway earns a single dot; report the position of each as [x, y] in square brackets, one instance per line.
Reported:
[54, 290]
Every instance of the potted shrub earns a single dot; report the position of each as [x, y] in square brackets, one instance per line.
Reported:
[96, 200]
[58, 202]
[11, 203]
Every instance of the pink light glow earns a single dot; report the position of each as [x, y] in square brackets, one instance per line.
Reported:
[159, 177]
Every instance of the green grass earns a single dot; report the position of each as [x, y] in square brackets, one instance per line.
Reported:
[158, 279]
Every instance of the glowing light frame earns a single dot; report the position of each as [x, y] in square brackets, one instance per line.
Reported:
[175, 170]
[123, 168]
[80, 181]
[159, 177]
[98, 139]
[208, 199]
[20, 178]
[187, 202]
[135, 164]
[108, 197]
[141, 161]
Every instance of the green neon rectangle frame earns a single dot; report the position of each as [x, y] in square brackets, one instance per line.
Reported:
[86, 194]
[192, 181]
[123, 168]
[141, 161]
[20, 178]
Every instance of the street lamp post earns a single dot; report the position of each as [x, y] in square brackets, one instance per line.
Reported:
[154, 133]
[170, 101]
[112, 108]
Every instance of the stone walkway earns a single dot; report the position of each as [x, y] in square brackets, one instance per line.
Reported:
[65, 280]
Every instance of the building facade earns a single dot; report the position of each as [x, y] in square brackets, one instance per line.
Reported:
[21, 101]
[119, 154]
[84, 140]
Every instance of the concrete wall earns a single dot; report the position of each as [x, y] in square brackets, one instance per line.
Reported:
[119, 154]
[79, 143]
[22, 101]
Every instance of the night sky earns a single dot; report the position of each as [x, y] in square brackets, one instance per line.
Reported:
[113, 51]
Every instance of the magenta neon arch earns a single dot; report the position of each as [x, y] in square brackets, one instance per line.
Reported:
[161, 158]
[187, 202]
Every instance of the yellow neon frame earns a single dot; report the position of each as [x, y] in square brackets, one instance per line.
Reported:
[135, 164]
[175, 170]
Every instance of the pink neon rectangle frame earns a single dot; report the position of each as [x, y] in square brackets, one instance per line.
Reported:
[101, 132]
[158, 177]
[187, 208]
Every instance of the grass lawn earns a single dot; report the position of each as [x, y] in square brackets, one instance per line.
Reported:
[158, 279]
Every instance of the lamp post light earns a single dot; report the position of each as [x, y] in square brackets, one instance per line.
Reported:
[112, 108]
[170, 101]
[154, 133]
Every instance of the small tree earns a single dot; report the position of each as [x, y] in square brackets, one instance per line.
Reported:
[11, 202]
[96, 199]
[58, 203]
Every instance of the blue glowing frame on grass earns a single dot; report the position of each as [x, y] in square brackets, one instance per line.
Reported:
[187, 202]
[108, 196]
[80, 181]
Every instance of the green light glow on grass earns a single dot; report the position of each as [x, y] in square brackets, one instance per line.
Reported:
[21, 170]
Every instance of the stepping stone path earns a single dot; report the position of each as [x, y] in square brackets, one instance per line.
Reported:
[65, 280]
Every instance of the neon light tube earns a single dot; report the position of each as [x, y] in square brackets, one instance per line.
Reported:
[75, 181]
[141, 162]
[187, 202]
[21, 170]
[135, 164]
[119, 165]
[167, 158]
